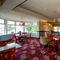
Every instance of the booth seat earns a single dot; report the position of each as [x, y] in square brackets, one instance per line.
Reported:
[2, 43]
[8, 54]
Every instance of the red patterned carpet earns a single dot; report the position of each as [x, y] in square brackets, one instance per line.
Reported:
[33, 51]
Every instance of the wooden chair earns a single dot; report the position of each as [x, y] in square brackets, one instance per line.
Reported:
[54, 43]
[50, 40]
[24, 37]
[18, 36]
[50, 36]
[59, 45]
[51, 44]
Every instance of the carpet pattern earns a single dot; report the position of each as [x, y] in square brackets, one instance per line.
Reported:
[33, 51]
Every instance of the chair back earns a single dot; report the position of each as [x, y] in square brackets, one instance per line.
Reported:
[43, 40]
[2, 43]
[50, 36]
[13, 37]
[8, 54]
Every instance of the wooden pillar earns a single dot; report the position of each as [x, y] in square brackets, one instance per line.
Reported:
[43, 27]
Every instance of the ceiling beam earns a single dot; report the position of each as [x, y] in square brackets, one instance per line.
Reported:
[1, 2]
[36, 12]
[20, 4]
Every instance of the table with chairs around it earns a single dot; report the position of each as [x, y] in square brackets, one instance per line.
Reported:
[25, 36]
[52, 40]
[21, 37]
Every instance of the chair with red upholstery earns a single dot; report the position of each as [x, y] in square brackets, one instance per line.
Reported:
[50, 36]
[54, 43]
[2, 43]
[8, 54]
[13, 37]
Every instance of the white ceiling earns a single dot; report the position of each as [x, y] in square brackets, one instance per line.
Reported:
[47, 8]
[52, 7]
[10, 4]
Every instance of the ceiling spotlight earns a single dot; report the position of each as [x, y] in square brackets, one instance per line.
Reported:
[55, 11]
[32, 8]
[45, 8]
[26, 0]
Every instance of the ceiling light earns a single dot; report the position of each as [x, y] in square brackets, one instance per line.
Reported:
[32, 8]
[45, 8]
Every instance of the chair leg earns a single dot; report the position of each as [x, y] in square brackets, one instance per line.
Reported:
[42, 46]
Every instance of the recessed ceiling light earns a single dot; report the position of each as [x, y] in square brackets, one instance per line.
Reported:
[45, 8]
[32, 8]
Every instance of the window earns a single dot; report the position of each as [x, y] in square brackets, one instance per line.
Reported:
[31, 27]
[11, 26]
[1, 21]
[1, 26]
[57, 28]
[19, 26]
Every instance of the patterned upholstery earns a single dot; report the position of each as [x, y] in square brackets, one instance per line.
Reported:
[54, 43]
[51, 43]
[59, 44]
[13, 37]
[2, 43]
[8, 54]
[43, 40]
[16, 37]
[50, 36]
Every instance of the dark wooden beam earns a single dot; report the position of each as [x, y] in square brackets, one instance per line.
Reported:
[1, 2]
[20, 4]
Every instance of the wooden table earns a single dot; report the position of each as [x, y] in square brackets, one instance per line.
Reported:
[26, 35]
[10, 45]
